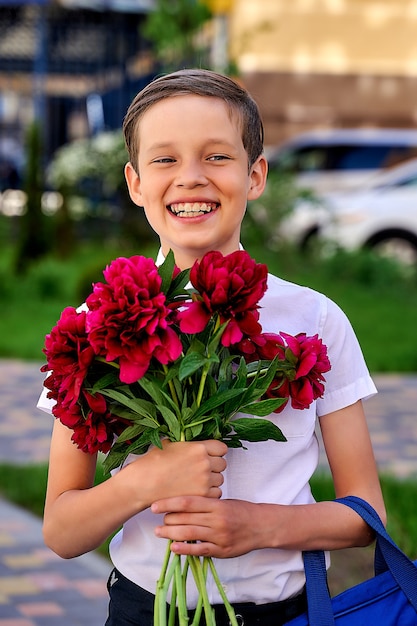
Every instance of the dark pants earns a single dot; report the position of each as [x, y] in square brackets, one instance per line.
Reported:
[131, 605]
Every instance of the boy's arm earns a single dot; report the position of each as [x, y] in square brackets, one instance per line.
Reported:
[79, 516]
[229, 528]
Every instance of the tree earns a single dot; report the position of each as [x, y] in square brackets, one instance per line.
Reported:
[173, 28]
[33, 240]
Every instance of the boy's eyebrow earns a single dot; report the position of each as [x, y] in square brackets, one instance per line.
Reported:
[169, 144]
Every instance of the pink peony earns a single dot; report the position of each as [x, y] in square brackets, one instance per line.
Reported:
[303, 359]
[128, 318]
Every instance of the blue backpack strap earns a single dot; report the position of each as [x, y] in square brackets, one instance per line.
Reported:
[319, 605]
[388, 556]
[401, 567]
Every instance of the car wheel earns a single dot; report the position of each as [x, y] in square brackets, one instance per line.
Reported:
[399, 248]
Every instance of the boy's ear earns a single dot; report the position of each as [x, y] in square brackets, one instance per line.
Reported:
[258, 174]
[133, 184]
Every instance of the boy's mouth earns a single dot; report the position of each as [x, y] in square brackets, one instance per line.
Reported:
[192, 209]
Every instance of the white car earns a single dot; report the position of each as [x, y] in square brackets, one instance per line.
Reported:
[381, 215]
[337, 159]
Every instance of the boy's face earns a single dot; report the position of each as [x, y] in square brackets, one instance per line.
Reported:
[194, 180]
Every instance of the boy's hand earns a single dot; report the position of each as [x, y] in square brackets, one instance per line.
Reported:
[192, 468]
[222, 528]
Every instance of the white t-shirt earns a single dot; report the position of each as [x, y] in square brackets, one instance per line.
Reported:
[268, 472]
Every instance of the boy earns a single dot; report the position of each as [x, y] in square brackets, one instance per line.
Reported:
[196, 156]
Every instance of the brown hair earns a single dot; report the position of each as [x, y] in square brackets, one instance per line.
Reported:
[202, 83]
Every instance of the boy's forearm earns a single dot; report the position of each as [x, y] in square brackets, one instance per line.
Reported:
[79, 521]
[317, 526]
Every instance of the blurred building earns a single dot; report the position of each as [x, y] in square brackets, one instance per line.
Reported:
[73, 64]
[318, 63]
[76, 64]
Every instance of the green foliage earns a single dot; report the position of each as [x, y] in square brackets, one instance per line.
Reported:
[379, 298]
[365, 267]
[89, 173]
[101, 157]
[173, 27]
[264, 215]
[34, 240]
[383, 312]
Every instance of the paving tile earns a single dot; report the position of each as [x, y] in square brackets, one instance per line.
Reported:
[37, 609]
[16, 622]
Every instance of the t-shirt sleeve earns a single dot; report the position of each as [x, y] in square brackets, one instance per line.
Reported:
[349, 379]
[45, 403]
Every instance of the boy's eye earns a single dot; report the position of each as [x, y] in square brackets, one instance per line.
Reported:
[218, 157]
[164, 160]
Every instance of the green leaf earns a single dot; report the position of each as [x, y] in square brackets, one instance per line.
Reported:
[219, 400]
[119, 452]
[113, 460]
[215, 340]
[196, 345]
[255, 429]
[130, 433]
[263, 407]
[138, 405]
[155, 438]
[172, 422]
[193, 433]
[165, 270]
[153, 388]
[105, 381]
[177, 290]
[190, 364]
[225, 370]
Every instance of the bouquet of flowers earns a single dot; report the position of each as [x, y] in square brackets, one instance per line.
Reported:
[159, 353]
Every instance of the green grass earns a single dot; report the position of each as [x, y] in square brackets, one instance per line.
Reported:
[31, 304]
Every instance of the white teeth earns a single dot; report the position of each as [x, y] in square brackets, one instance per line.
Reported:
[191, 209]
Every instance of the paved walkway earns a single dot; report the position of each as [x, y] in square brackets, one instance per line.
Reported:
[39, 589]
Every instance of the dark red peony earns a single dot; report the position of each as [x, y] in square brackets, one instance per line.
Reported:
[300, 375]
[96, 431]
[128, 319]
[230, 286]
[69, 355]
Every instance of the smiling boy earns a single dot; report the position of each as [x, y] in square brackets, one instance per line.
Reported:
[195, 146]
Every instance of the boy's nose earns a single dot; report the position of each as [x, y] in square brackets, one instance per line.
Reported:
[190, 174]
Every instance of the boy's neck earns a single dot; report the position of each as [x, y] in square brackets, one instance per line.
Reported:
[186, 261]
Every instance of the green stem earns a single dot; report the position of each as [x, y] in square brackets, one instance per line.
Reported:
[181, 595]
[101, 359]
[171, 387]
[200, 581]
[199, 607]
[173, 604]
[203, 378]
[168, 570]
[230, 610]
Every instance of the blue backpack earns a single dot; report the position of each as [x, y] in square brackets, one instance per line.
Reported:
[388, 599]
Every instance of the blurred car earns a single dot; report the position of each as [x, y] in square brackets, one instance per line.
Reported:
[340, 159]
[381, 215]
